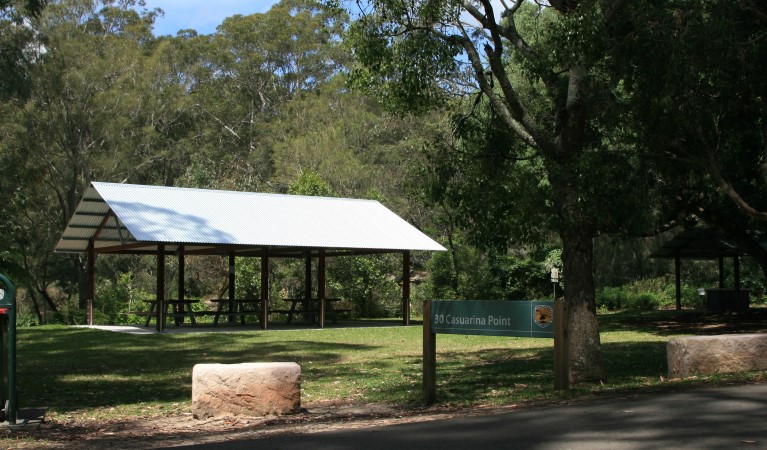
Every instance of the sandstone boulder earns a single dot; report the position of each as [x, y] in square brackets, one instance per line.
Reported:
[702, 355]
[249, 389]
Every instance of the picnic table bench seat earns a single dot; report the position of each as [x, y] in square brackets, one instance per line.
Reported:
[181, 309]
[312, 311]
[235, 308]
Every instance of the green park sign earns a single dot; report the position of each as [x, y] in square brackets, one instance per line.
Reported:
[493, 317]
[536, 319]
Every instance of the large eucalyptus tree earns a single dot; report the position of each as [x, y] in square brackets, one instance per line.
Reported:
[88, 115]
[539, 66]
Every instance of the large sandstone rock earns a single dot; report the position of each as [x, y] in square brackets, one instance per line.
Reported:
[701, 355]
[249, 389]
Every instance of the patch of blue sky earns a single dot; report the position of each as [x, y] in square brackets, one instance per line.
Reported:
[201, 15]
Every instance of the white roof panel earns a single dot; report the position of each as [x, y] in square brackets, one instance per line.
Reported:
[156, 214]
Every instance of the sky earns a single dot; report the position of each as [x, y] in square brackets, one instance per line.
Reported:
[202, 15]
[205, 15]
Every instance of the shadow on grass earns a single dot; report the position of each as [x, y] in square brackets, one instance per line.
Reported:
[70, 368]
[695, 322]
[503, 375]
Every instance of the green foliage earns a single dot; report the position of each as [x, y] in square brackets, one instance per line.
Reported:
[116, 301]
[474, 275]
[481, 174]
[648, 295]
[403, 70]
[310, 183]
[248, 276]
[442, 280]
[18, 42]
[612, 299]
[368, 284]
[263, 104]
[702, 130]
[512, 278]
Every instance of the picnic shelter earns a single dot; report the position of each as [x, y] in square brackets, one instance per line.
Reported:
[116, 218]
[706, 244]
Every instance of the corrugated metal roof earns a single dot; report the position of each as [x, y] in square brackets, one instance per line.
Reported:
[129, 215]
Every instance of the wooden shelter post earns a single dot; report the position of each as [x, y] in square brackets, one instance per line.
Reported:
[160, 304]
[406, 288]
[308, 276]
[736, 269]
[678, 282]
[181, 272]
[721, 272]
[321, 285]
[231, 286]
[90, 269]
[264, 290]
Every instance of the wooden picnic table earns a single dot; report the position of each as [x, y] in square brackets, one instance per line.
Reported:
[310, 309]
[181, 309]
[234, 308]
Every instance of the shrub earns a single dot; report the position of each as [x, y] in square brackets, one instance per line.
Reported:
[646, 301]
[647, 294]
[514, 278]
[611, 299]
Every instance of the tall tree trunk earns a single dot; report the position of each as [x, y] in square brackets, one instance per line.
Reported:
[584, 344]
[577, 231]
[577, 234]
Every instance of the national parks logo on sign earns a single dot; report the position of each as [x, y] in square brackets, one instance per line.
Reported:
[544, 315]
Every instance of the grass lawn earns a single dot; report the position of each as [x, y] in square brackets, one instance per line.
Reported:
[85, 374]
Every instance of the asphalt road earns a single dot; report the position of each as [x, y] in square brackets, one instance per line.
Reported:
[718, 418]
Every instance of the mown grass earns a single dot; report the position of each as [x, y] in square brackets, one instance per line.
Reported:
[90, 374]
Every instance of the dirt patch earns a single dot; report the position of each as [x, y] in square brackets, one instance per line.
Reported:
[183, 429]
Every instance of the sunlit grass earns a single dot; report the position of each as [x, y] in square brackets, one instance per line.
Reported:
[104, 375]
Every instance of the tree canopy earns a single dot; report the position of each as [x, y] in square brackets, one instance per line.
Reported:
[505, 129]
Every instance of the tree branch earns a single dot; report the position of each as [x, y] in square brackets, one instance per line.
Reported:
[726, 187]
[515, 114]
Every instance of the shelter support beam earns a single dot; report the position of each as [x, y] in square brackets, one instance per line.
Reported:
[721, 272]
[678, 282]
[232, 280]
[321, 285]
[181, 274]
[90, 269]
[160, 307]
[308, 276]
[736, 274]
[406, 288]
[264, 291]
[91, 264]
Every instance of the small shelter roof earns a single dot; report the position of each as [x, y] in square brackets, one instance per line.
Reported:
[129, 218]
[699, 243]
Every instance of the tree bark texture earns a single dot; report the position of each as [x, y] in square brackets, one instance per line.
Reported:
[585, 355]
[577, 231]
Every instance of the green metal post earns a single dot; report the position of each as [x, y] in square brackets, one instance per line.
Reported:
[9, 301]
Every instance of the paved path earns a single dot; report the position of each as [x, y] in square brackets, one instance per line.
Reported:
[718, 418]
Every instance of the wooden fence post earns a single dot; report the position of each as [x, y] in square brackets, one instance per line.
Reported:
[561, 365]
[429, 357]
